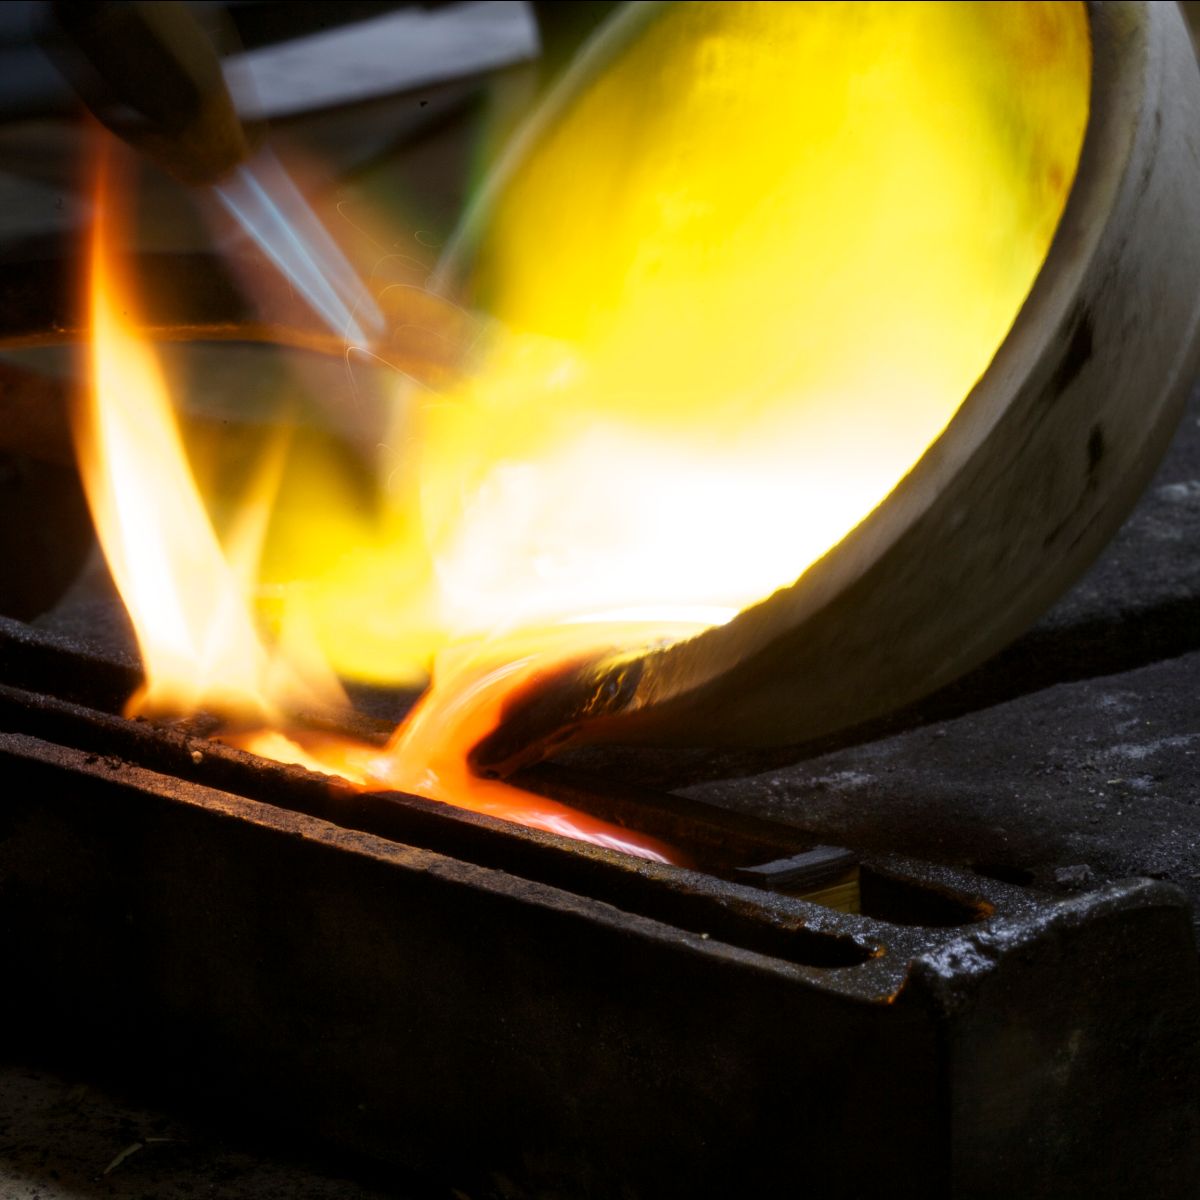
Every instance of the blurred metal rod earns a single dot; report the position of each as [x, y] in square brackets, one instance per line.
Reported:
[262, 198]
[150, 74]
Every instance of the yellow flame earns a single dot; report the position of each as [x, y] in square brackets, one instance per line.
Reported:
[186, 596]
[743, 281]
[740, 285]
[188, 605]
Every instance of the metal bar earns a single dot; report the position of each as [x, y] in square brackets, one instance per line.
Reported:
[492, 1030]
[264, 200]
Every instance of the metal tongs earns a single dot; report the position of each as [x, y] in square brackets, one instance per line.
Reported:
[149, 72]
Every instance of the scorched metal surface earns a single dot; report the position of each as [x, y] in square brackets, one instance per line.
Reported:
[513, 1014]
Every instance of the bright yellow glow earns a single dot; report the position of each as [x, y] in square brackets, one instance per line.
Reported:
[743, 282]
[186, 596]
[187, 601]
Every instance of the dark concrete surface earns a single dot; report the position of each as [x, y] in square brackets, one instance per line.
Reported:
[66, 1139]
[1073, 785]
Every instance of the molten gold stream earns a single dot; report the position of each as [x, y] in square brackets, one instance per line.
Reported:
[737, 285]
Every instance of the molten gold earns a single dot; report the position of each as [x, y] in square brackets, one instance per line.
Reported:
[739, 279]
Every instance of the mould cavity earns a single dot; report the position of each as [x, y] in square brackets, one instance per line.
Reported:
[901, 901]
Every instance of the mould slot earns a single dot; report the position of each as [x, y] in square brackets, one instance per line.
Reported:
[686, 899]
[1003, 873]
[718, 841]
[901, 901]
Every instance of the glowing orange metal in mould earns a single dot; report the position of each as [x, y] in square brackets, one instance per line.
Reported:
[199, 643]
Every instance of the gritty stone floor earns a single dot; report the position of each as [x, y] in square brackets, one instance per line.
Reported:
[64, 1139]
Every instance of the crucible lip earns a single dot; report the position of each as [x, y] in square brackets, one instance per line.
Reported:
[1037, 468]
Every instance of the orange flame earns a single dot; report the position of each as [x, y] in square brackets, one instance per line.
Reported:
[736, 289]
[188, 601]
[199, 646]
[427, 755]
